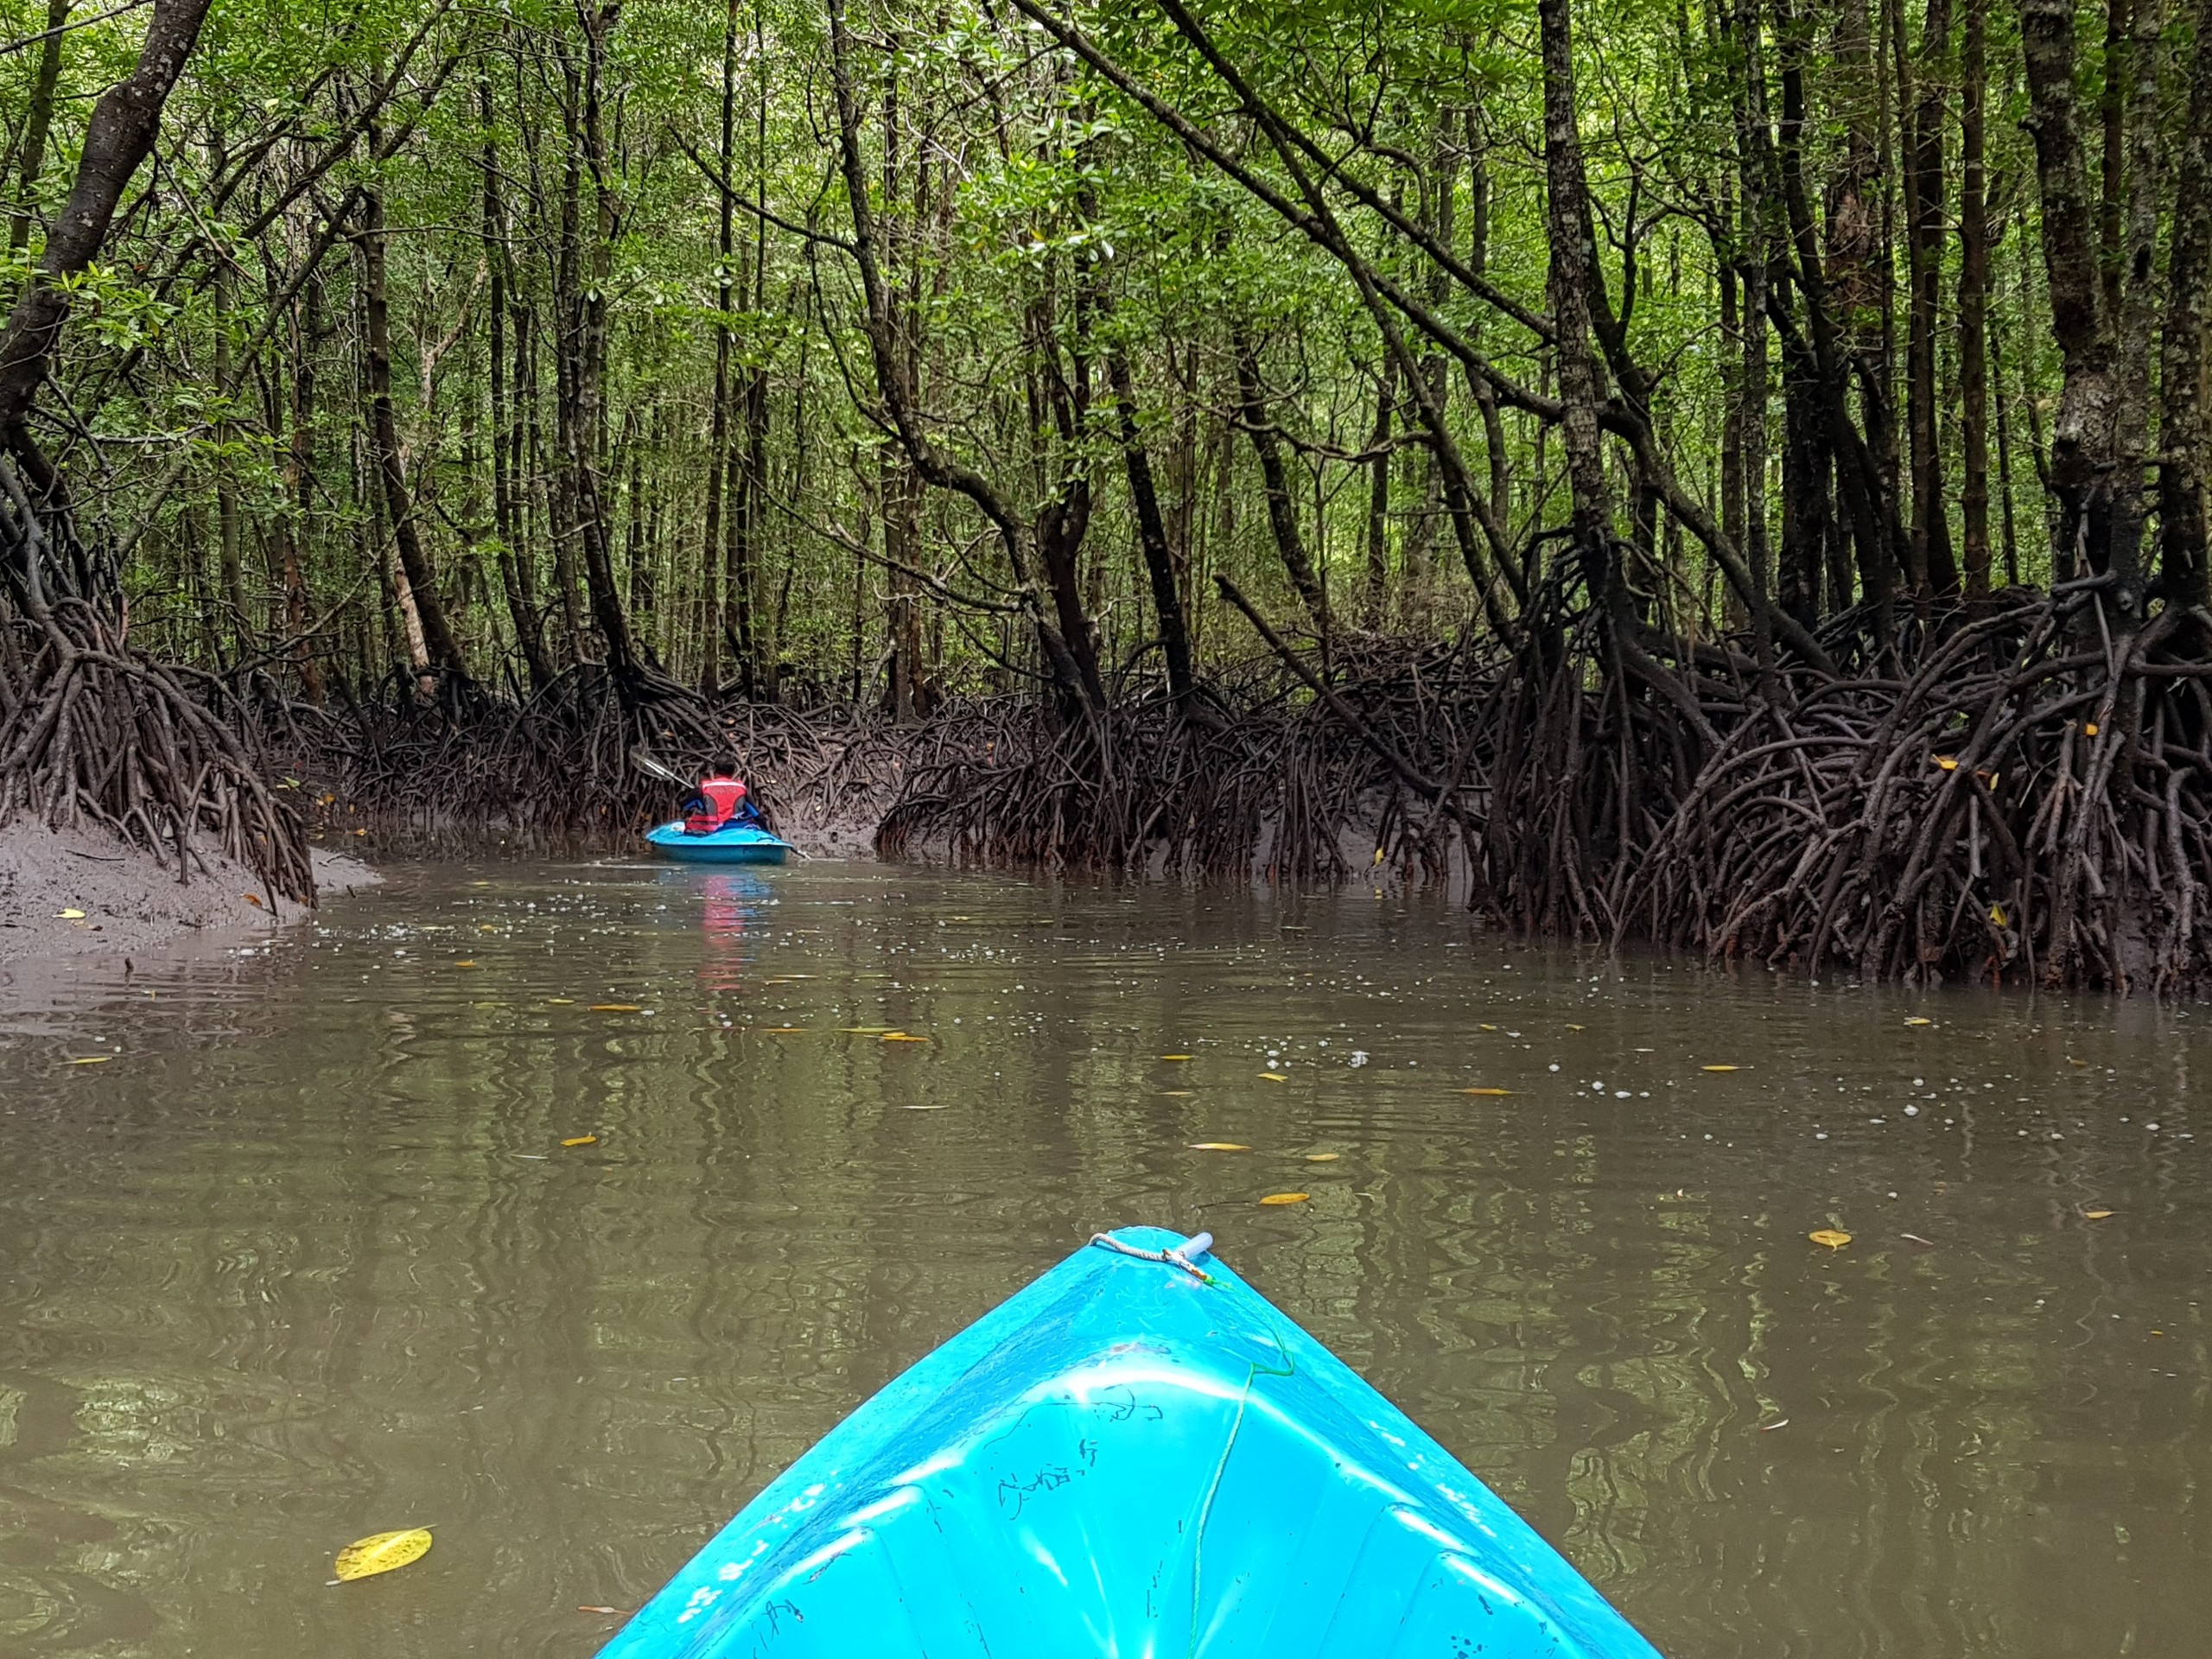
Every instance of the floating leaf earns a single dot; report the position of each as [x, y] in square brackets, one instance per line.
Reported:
[1175, 1057]
[1949, 762]
[561, 1001]
[72, 915]
[464, 964]
[1276, 1077]
[783, 1030]
[866, 1030]
[1574, 1027]
[1218, 1146]
[1719, 1068]
[2095, 1215]
[1323, 1157]
[381, 1552]
[614, 1008]
[1830, 1237]
[1485, 1091]
[1490, 1027]
[1920, 1020]
[600, 1610]
[1175, 1094]
[1286, 1197]
[581, 1141]
[93, 1059]
[902, 1037]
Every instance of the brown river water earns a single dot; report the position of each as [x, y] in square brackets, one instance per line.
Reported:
[305, 1258]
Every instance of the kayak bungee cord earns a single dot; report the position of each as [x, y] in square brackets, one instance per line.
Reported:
[1181, 1256]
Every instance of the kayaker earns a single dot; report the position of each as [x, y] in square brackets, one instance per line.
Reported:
[722, 800]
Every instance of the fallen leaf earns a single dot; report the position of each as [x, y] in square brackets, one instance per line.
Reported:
[561, 1001]
[464, 964]
[93, 1060]
[1218, 1146]
[1175, 1094]
[1323, 1157]
[380, 1553]
[1485, 1091]
[1949, 762]
[1718, 1068]
[1830, 1237]
[1920, 1020]
[1175, 1057]
[1574, 1027]
[613, 1008]
[1490, 1027]
[1769, 1428]
[1286, 1197]
[866, 1030]
[600, 1610]
[1276, 1077]
[581, 1141]
[71, 915]
[783, 1030]
[902, 1037]
[2095, 1215]
[253, 899]
[2091, 729]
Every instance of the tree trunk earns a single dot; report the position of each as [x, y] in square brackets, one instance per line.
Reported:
[1926, 233]
[1283, 506]
[117, 139]
[417, 583]
[2183, 433]
[1973, 306]
[1152, 540]
[38, 123]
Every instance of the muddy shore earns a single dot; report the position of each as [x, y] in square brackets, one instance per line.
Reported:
[79, 892]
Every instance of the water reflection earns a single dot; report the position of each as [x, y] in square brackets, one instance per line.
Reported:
[305, 1259]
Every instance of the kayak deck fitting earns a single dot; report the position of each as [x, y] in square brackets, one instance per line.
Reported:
[1137, 1456]
[733, 843]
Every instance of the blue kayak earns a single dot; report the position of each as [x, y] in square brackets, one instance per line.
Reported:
[1137, 1456]
[733, 843]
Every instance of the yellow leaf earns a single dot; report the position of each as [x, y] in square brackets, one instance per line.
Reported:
[93, 1060]
[866, 1030]
[1485, 1091]
[1490, 1027]
[614, 1008]
[2095, 1215]
[581, 1141]
[381, 1552]
[1919, 1020]
[1175, 1094]
[1218, 1146]
[1378, 854]
[1996, 915]
[1949, 762]
[1718, 1068]
[902, 1037]
[1286, 1197]
[464, 964]
[1276, 1077]
[2091, 729]
[561, 1001]
[72, 915]
[1574, 1027]
[1322, 1157]
[1174, 1056]
[1829, 1236]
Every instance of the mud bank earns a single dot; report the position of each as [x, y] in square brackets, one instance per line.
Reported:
[77, 892]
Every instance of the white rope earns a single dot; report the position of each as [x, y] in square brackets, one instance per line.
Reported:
[1181, 1256]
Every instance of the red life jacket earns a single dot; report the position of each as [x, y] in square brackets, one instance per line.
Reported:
[723, 796]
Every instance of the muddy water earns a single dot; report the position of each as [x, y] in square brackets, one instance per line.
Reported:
[305, 1257]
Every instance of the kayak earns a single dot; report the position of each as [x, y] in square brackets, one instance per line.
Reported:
[1137, 1455]
[733, 843]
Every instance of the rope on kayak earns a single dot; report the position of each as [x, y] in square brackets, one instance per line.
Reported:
[1196, 1245]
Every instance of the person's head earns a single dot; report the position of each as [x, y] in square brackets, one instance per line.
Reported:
[721, 766]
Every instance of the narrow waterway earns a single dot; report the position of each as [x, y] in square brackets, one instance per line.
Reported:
[304, 1252]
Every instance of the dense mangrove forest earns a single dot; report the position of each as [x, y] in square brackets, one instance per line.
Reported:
[1726, 475]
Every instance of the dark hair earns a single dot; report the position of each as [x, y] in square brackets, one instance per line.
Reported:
[721, 766]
